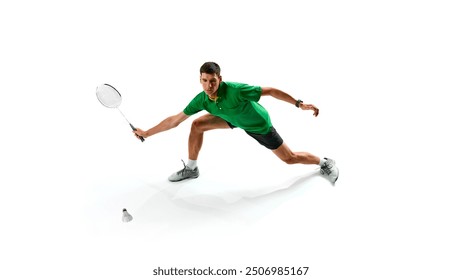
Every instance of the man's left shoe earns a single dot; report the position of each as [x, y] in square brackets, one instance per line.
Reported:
[329, 170]
[185, 173]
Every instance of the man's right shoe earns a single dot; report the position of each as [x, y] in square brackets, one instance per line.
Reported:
[185, 173]
[329, 170]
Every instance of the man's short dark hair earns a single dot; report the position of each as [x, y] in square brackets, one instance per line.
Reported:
[210, 68]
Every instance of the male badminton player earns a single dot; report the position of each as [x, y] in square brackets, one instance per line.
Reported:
[231, 105]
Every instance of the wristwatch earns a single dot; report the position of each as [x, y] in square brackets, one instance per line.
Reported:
[297, 104]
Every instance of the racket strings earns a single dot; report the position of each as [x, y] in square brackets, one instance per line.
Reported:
[108, 96]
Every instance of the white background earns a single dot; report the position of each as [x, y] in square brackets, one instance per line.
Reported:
[386, 76]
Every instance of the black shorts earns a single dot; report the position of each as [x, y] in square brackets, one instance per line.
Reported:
[272, 140]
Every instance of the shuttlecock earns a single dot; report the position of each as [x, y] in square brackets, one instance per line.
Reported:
[126, 217]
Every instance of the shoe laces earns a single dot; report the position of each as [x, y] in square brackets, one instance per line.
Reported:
[326, 168]
[182, 171]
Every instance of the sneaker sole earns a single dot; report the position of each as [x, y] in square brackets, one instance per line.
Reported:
[192, 177]
[338, 175]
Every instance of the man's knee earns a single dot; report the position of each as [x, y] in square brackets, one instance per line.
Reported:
[198, 125]
[208, 122]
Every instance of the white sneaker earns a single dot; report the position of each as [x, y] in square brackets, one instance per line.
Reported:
[184, 173]
[329, 170]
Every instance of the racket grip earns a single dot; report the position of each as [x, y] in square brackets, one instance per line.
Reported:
[140, 137]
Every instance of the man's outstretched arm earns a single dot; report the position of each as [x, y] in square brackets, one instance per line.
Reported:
[166, 124]
[279, 94]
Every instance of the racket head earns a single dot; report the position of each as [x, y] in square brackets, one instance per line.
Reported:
[108, 96]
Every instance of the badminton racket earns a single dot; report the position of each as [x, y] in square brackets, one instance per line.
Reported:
[111, 98]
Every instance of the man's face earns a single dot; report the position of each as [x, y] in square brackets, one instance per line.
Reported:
[210, 83]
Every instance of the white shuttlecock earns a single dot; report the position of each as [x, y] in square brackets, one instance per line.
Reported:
[126, 217]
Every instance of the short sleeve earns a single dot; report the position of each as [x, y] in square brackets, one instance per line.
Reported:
[251, 93]
[196, 105]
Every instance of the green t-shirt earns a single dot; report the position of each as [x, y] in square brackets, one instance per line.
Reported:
[236, 104]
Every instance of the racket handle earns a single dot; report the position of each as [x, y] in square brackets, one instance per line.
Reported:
[141, 137]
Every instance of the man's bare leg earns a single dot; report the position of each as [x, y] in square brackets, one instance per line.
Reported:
[196, 137]
[328, 168]
[198, 127]
[289, 157]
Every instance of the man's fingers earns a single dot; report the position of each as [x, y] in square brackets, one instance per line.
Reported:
[316, 111]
